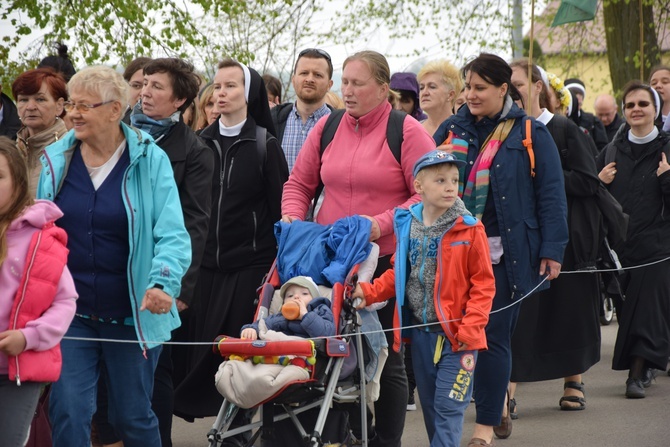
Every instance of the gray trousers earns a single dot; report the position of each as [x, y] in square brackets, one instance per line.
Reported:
[17, 407]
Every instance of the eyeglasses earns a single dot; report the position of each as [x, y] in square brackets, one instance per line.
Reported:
[641, 104]
[317, 51]
[83, 108]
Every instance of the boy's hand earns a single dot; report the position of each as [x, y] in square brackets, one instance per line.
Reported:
[358, 293]
[12, 342]
[249, 334]
[462, 347]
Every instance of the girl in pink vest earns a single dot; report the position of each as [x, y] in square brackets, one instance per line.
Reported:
[37, 296]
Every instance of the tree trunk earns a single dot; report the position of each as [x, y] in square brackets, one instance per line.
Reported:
[622, 31]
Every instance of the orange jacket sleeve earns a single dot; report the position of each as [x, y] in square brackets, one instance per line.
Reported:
[481, 293]
[382, 288]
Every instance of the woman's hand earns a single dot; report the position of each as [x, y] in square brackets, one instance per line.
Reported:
[249, 334]
[181, 306]
[375, 230]
[12, 342]
[288, 219]
[549, 267]
[609, 171]
[156, 301]
[663, 165]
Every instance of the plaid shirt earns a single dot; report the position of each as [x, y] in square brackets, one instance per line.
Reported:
[296, 132]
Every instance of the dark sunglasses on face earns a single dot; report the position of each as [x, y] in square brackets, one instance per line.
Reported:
[641, 104]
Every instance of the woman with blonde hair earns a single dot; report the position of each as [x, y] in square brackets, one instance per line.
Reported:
[129, 249]
[439, 84]
[207, 110]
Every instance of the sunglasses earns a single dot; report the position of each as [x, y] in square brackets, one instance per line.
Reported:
[317, 51]
[641, 104]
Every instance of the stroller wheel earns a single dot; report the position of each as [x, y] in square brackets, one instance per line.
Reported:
[607, 312]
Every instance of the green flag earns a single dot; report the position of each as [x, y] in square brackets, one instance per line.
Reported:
[575, 11]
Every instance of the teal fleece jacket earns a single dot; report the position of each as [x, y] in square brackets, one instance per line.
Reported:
[160, 246]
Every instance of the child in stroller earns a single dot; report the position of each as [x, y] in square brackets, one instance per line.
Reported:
[275, 355]
[304, 313]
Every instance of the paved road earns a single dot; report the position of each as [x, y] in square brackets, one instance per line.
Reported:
[610, 420]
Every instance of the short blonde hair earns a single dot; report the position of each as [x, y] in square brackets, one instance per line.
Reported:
[432, 168]
[451, 76]
[102, 81]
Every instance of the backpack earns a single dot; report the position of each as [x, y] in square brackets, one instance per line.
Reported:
[394, 135]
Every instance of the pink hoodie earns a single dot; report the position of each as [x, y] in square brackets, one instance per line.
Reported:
[359, 172]
[48, 330]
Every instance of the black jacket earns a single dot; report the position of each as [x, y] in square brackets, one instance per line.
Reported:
[644, 196]
[11, 123]
[246, 200]
[581, 186]
[193, 165]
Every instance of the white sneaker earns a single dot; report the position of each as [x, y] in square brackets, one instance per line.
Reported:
[411, 407]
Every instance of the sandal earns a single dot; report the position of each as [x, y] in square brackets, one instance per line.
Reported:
[573, 399]
[478, 442]
[512, 409]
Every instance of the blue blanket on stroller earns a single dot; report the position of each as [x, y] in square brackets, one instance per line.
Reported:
[325, 253]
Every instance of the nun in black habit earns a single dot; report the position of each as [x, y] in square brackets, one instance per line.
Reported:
[249, 173]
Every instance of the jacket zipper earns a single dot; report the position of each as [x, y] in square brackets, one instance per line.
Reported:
[255, 228]
[23, 296]
[132, 257]
[221, 178]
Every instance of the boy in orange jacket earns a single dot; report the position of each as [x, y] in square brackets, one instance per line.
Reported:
[444, 286]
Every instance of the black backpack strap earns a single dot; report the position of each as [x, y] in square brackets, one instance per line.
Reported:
[394, 132]
[261, 146]
[610, 154]
[329, 129]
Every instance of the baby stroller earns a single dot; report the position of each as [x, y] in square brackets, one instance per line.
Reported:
[341, 368]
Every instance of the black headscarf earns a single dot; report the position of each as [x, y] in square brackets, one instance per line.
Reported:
[258, 106]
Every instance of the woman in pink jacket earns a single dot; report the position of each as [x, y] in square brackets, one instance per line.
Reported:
[362, 174]
[37, 296]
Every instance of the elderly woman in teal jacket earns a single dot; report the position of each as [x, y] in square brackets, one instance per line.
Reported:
[129, 249]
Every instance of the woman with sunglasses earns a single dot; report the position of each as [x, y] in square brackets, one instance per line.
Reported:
[129, 249]
[634, 167]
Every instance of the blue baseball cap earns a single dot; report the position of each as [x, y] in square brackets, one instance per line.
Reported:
[436, 157]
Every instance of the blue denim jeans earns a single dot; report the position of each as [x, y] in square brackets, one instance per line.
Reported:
[444, 388]
[130, 378]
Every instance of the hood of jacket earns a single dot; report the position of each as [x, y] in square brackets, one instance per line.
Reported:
[37, 215]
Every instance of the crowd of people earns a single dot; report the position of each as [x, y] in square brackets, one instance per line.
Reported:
[146, 202]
